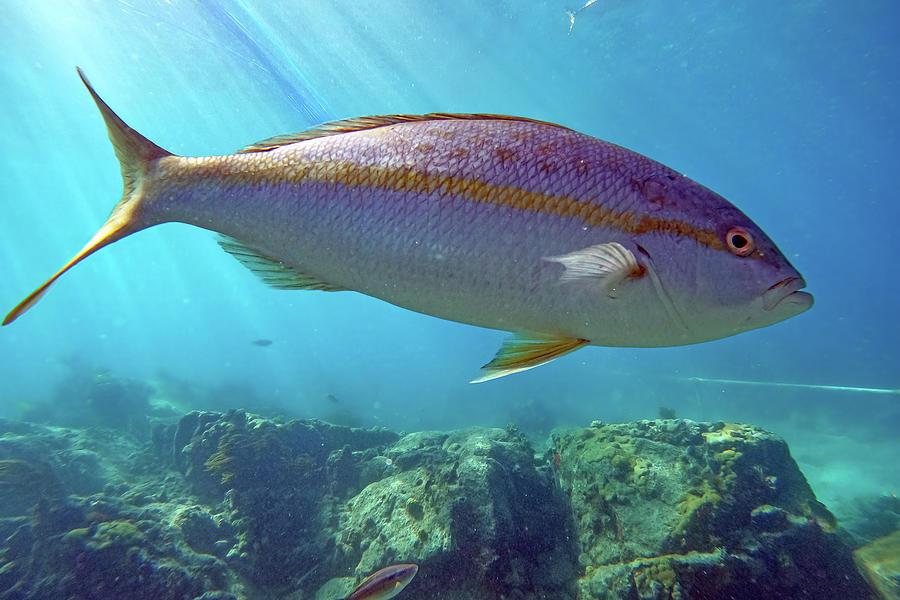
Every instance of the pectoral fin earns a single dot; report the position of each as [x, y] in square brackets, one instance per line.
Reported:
[523, 351]
[608, 264]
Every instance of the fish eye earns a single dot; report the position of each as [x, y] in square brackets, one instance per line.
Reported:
[739, 241]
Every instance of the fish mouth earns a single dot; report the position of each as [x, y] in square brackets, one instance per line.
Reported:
[786, 292]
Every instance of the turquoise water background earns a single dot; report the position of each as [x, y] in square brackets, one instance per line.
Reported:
[788, 109]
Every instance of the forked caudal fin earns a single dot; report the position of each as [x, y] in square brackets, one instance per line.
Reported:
[135, 153]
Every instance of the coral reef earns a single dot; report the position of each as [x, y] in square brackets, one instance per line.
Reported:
[236, 506]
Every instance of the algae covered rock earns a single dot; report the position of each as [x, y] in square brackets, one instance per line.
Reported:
[233, 505]
[202, 531]
[98, 549]
[472, 509]
[23, 483]
[879, 562]
[696, 510]
[83, 515]
[277, 482]
[309, 501]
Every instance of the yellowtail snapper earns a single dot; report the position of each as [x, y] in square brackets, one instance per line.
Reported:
[497, 221]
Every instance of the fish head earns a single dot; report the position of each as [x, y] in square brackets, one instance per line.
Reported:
[729, 279]
[399, 577]
[751, 283]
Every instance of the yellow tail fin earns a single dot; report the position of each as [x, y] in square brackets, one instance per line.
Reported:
[136, 154]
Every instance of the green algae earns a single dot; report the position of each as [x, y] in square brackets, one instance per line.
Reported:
[79, 535]
[118, 533]
[242, 457]
[415, 509]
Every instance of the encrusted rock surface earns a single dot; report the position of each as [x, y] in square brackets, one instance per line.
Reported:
[879, 561]
[103, 523]
[238, 506]
[678, 509]
[277, 483]
[472, 508]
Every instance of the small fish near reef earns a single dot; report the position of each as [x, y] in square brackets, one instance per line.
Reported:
[384, 584]
[496, 221]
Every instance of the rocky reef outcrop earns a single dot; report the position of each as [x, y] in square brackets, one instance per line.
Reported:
[232, 505]
[309, 500]
[879, 562]
[88, 514]
[678, 509]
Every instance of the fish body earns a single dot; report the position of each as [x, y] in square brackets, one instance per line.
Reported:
[501, 222]
[384, 584]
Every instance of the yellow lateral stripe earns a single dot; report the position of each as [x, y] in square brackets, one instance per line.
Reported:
[411, 180]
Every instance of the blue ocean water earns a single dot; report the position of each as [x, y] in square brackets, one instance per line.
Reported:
[787, 109]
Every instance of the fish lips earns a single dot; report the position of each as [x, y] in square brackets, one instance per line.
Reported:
[786, 294]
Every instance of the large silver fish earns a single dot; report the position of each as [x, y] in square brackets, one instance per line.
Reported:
[502, 222]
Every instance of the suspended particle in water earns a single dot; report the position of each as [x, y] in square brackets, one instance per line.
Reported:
[573, 13]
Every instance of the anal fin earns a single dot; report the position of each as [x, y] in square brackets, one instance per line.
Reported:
[523, 351]
[273, 271]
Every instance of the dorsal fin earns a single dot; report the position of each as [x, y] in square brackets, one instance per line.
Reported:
[363, 123]
[272, 271]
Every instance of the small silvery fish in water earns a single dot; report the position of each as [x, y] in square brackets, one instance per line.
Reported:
[262, 342]
[384, 584]
[502, 222]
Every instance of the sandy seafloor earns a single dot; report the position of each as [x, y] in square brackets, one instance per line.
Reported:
[788, 110]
